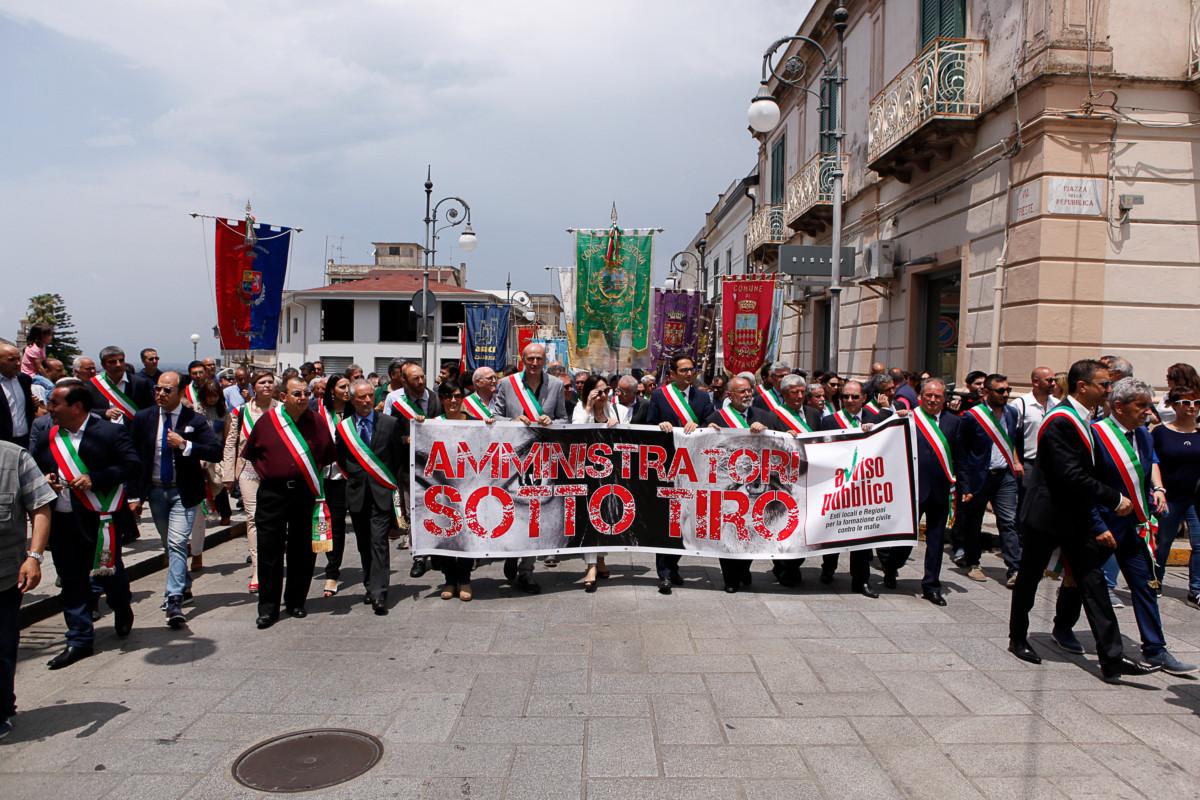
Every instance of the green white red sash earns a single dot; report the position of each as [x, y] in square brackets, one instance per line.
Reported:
[475, 407]
[794, 421]
[873, 407]
[366, 458]
[1129, 466]
[192, 395]
[845, 421]
[322, 535]
[405, 408]
[530, 406]
[733, 418]
[115, 397]
[245, 421]
[329, 417]
[1065, 409]
[995, 431]
[934, 437]
[678, 402]
[71, 467]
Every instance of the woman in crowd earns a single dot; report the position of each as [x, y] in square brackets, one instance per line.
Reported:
[212, 406]
[332, 407]
[455, 571]
[1177, 445]
[595, 407]
[1178, 376]
[235, 468]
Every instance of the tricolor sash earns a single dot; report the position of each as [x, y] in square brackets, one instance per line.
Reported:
[115, 397]
[795, 422]
[934, 437]
[192, 395]
[329, 417]
[370, 462]
[475, 407]
[322, 535]
[995, 431]
[733, 418]
[678, 402]
[528, 400]
[873, 407]
[71, 467]
[845, 421]
[245, 421]
[1129, 466]
[1065, 409]
[405, 408]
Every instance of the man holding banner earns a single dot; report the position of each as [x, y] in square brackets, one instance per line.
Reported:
[787, 408]
[369, 447]
[530, 397]
[117, 395]
[289, 448]
[677, 402]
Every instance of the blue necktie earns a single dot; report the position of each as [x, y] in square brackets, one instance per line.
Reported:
[166, 471]
[364, 429]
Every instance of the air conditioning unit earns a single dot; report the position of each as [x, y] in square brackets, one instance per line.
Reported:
[878, 261]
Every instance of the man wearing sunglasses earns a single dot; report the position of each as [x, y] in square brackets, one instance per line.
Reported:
[172, 439]
[992, 443]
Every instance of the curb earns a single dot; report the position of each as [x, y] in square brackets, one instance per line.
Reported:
[49, 605]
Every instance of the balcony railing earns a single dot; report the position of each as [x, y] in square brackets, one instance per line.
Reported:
[945, 82]
[767, 227]
[810, 191]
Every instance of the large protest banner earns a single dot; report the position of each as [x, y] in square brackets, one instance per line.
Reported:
[506, 490]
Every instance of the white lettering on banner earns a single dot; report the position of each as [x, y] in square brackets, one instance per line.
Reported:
[1075, 196]
[507, 489]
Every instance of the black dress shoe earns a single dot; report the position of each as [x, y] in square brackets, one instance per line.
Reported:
[381, 609]
[420, 566]
[1023, 651]
[298, 612]
[934, 597]
[265, 622]
[866, 591]
[675, 578]
[528, 585]
[826, 577]
[123, 622]
[730, 588]
[69, 656]
[368, 600]
[664, 586]
[1126, 666]
[889, 580]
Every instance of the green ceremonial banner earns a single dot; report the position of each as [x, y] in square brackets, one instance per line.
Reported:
[612, 288]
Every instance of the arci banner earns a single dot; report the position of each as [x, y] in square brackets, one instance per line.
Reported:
[612, 298]
[486, 342]
[506, 490]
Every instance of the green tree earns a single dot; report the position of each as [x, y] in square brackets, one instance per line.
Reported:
[49, 309]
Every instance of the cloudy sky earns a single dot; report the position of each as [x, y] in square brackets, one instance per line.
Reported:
[123, 117]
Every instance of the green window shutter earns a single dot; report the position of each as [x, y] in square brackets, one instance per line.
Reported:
[943, 18]
[829, 120]
[778, 169]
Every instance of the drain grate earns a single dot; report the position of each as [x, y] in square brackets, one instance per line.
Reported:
[307, 760]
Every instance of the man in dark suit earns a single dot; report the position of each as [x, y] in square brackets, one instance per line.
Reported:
[992, 441]
[677, 402]
[1124, 456]
[369, 498]
[109, 462]
[851, 416]
[631, 407]
[792, 398]
[171, 440]
[16, 398]
[738, 412]
[772, 382]
[132, 388]
[937, 445]
[149, 370]
[1063, 491]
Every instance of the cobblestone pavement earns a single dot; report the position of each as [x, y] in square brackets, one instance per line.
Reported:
[623, 693]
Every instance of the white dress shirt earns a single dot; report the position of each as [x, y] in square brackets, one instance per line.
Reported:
[158, 441]
[15, 396]
[1032, 413]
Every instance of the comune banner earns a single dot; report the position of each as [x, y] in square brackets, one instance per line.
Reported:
[510, 490]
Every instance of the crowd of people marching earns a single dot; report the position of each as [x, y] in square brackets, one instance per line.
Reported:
[1086, 475]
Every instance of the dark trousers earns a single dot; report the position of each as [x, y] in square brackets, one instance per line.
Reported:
[10, 635]
[456, 571]
[221, 503]
[371, 526]
[284, 521]
[860, 566]
[1085, 558]
[735, 571]
[936, 513]
[666, 564]
[335, 496]
[73, 555]
[1135, 564]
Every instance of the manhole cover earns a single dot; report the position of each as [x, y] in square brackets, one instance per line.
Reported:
[307, 760]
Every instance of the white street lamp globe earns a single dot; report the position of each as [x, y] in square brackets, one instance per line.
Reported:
[529, 316]
[764, 112]
[467, 240]
[195, 338]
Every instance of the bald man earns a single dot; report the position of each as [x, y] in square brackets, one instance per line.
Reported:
[16, 403]
[630, 406]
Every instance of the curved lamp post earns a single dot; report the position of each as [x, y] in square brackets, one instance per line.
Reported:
[457, 214]
[764, 115]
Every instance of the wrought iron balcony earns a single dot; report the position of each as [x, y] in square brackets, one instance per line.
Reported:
[810, 193]
[928, 108]
[766, 227]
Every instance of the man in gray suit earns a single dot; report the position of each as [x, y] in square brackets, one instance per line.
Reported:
[368, 498]
[532, 397]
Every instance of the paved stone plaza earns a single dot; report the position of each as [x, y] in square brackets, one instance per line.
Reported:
[619, 694]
